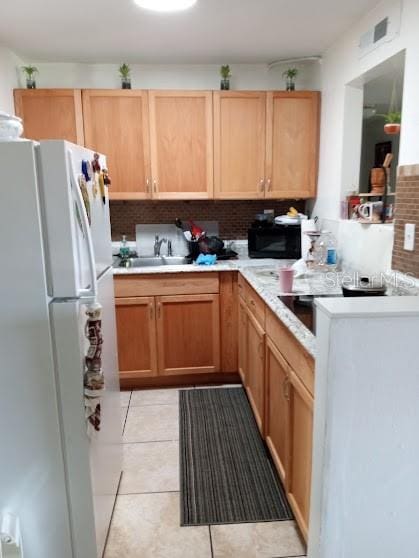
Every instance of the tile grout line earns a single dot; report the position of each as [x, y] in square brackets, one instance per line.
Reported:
[151, 441]
[156, 492]
[210, 537]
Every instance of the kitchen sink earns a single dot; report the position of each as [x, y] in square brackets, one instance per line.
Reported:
[153, 261]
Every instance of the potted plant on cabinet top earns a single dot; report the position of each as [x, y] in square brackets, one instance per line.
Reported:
[393, 123]
[225, 74]
[30, 72]
[290, 76]
[125, 73]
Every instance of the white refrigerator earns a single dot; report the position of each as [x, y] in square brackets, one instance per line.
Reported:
[59, 480]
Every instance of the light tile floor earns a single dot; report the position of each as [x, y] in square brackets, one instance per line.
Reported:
[146, 519]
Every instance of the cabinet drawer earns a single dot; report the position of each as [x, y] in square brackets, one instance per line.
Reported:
[294, 353]
[166, 284]
[255, 304]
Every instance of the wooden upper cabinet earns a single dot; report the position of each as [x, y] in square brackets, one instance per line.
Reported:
[116, 124]
[239, 144]
[292, 144]
[181, 140]
[50, 114]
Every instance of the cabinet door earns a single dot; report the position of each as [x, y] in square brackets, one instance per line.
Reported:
[50, 114]
[181, 144]
[188, 332]
[239, 144]
[242, 340]
[255, 371]
[277, 408]
[300, 456]
[136, 334]
[292, 144]
[116, 124]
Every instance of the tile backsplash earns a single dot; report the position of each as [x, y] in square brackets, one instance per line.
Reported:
[406, 211]
[234, 217]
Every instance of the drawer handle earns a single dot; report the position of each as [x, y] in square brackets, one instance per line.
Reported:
[151, 311]
[286, 389]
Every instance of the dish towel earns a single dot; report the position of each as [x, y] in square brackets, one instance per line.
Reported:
[206, 259]
[94, 381]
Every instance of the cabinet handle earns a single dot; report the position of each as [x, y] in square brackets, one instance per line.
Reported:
[252, 302]
[158, 310]
[261, 184]
[151, 311]
[147, 183]
[155, 185]
[261, 351]
[286, 388]
[269, 184]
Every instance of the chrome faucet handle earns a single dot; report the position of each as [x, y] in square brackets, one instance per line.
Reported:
[169, 248]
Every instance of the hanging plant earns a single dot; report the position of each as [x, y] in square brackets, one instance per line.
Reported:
[393, 117]
[125, 73]
[225, 74]
[30, 72]
[393, 123]
[290, 76]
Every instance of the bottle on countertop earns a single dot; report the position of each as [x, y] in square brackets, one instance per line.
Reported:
[124, 251]
[325, 251]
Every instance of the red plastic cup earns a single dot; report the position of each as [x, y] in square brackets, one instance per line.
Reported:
[286, 278]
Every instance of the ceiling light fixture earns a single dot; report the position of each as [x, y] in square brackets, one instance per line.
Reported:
[165, 5]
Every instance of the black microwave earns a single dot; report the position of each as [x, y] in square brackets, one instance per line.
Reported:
[275, 241]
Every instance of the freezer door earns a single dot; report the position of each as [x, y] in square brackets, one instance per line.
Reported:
[93, 463]
[75, 249]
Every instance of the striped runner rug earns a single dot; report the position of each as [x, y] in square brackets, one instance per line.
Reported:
[226, 473]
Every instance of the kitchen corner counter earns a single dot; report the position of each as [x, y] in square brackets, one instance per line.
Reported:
[260, 274]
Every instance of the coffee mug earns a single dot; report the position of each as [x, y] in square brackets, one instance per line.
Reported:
[371, 211]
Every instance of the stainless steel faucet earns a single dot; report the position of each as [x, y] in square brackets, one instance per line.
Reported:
[169, 248]
[157, 244]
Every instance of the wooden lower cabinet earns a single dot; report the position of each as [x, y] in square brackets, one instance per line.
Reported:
[300, 450]
[136, 334]
[289, 431]
[255, 368]
[242, 360]
[277, 408]
[188, 334]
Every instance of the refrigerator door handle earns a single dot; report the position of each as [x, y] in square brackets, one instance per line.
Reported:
[90, 293]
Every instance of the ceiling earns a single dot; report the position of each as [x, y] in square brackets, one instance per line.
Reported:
[213, 31]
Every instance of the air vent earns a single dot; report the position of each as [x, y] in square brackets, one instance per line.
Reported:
[375, 36]
[380, 30]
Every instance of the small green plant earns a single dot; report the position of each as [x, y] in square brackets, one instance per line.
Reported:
[291, 73]
[124, 71]
[392, 117]
[30, 71]
[225, 71]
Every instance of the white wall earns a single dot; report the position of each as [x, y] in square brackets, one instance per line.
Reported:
[341, 70]
[9, 70]
[245, 76]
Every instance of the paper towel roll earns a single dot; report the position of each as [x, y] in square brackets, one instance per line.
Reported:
[306, 225]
